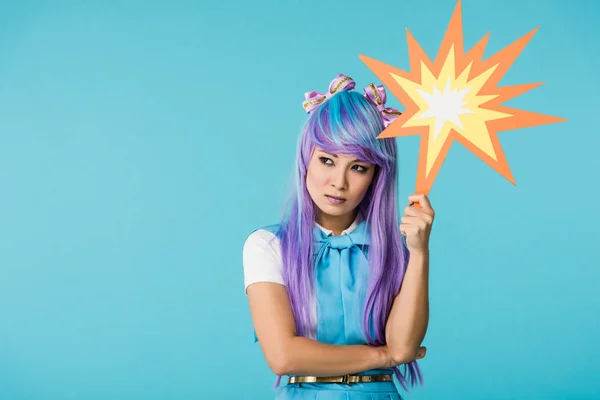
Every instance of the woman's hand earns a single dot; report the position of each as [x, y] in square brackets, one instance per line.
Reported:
[390, 360]
[416, 223]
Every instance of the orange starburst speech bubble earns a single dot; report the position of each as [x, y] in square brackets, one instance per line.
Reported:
[456, 98]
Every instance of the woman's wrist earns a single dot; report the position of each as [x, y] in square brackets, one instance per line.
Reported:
[384, 359]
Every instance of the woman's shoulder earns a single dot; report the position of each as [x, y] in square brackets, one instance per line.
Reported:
[263, 239]
[272, 229]
[264, 232]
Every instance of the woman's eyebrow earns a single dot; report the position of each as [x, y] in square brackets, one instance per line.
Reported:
[335, 156]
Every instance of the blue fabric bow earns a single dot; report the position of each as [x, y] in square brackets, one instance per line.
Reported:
[341, 275]
[341, 278]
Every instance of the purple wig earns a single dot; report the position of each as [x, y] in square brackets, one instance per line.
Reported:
[348, 123]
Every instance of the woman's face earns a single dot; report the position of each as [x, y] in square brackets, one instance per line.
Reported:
[337, 183]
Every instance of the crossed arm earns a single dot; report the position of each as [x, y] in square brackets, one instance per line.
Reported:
[289, 354]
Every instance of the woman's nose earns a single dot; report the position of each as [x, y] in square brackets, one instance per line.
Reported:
[339, 179]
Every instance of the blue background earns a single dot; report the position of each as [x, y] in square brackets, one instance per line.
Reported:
[141, 142]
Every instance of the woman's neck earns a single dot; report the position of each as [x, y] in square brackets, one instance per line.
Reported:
[337, 224]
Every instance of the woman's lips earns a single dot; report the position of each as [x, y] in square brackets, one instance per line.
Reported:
[335, 200]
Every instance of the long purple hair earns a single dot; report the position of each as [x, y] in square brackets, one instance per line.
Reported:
[348, 123]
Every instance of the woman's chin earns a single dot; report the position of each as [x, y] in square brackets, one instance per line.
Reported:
[334, 210]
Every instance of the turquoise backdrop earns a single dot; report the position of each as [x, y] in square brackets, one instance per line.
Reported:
[142, 141]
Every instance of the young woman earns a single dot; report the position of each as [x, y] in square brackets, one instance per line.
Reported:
[338, 297]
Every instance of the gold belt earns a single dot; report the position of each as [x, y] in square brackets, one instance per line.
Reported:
[341, 379]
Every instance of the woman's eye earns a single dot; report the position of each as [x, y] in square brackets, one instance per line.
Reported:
[325, 160]
[361, 168]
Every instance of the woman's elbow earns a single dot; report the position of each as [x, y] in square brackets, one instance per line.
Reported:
[279, 362]
[404, 356]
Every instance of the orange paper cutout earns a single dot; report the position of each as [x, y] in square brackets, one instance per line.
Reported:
[455, 98]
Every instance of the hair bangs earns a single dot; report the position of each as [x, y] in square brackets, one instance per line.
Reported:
[348, 124]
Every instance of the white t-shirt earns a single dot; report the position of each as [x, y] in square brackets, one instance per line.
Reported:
[263, 262]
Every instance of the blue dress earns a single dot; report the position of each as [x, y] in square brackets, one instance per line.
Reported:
[341, 277]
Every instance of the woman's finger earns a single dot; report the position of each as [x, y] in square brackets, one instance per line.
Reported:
[423, 201]
[421, 353]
